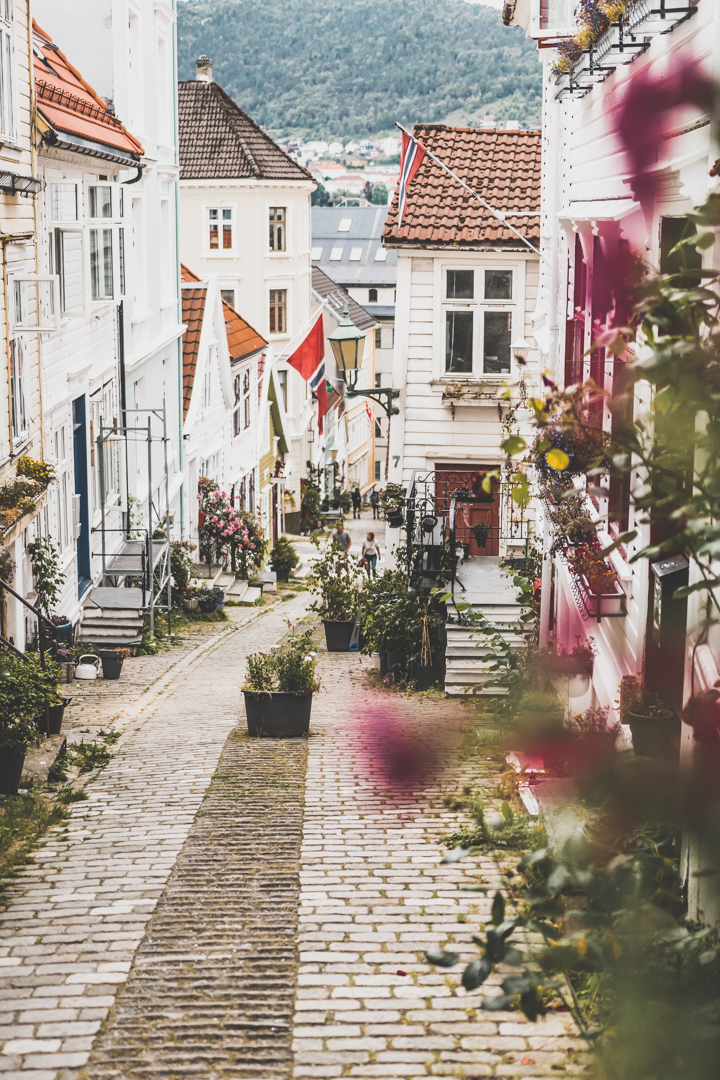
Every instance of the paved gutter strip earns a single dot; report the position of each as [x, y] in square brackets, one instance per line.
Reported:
[212, 988]
[75, 918]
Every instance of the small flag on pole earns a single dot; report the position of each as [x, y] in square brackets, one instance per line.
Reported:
[411, 160]
[369, 415]
[309, 361]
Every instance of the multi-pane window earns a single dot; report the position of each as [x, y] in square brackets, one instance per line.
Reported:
[278, 311]
[378, 338]
[237, 404]
[100, 208]
[60, 443]
[372, 296]
[278, 219]
[283, 383]
[220, 228]
[477, 321]
[228, 296]
[246, 399]
[7, 74]
[241, 405]
[17, 391]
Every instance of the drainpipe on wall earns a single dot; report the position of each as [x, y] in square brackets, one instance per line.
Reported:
[181, 443]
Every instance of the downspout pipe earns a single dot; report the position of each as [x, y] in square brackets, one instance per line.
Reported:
[181, 442]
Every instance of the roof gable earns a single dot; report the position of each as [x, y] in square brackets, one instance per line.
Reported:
[218, 140]
[193, 313]
[70, 105]
[502, 166]
[336, 298]
[243, 340]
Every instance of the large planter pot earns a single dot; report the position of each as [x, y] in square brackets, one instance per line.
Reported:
[338, 634]
[11, 767]
[63, 632]
[112, 663]
[395, 660]
[191, 604]
[56, 715]
[282, 575]
[278, 714]
[382, 657]
[427, 676]
[653, 736]
[572, 686]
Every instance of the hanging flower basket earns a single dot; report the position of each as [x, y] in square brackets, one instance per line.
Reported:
[609, 604]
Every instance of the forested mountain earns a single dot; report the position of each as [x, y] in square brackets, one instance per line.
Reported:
[353, 67]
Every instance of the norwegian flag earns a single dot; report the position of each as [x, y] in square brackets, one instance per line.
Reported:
[369, 416]
[309, 361]
[411, 160]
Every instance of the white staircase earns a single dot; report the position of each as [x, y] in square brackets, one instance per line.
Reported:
[480, 583]
[112, 617]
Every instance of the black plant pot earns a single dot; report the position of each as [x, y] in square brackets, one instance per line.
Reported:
[383, 663]
[338, 634]
[653, 736]
[278, 714]
[56, 716]
[11, 767]
[395, 660]
[395, 521]
[426, 676]
[112, 663]
[282, 575]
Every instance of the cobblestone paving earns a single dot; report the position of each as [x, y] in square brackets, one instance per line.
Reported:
[74, 920]
[374, 898]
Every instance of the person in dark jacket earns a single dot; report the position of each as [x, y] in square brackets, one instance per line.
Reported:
[375, 503]
[356, 502]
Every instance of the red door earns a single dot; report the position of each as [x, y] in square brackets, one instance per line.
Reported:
[480, 509]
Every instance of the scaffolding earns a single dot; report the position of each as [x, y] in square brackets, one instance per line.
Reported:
[146, 557]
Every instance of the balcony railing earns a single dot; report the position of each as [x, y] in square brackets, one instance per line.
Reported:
[622, 42]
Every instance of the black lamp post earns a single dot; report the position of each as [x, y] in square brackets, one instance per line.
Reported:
[347, 345]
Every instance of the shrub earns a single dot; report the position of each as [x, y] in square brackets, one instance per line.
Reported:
[49, 578]
[41, 471]
[284, 556]
[25, 690]
[336, 579]
[290, 668]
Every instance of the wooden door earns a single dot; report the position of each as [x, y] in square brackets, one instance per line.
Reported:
[483, 508]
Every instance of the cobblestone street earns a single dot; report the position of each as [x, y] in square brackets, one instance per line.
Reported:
[223, 907]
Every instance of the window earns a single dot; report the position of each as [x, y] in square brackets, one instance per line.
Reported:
[210, 467]
[381, 254]
[35, 303]
[283, 384]
[228, 296]
[237, 395]
[278, 311]
[345, 224]
[378, 338]
[378, 430]
[63, 202]
[7, 73]
[378, 466]
[106, 241]
[17, 391]
[378, 379]
[100, 201]
[357, 429]
[220, 229]
[477, 328]
[66, 259]
[355, 254]
[251, 492]
[101, 264]
[336, 254]
[372, 296]
[278, 217]
[207, 388]
[62, 488]
[246, 399]
[388, 337]
[316, 254]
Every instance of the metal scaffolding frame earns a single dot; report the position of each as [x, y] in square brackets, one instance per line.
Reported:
[146, 557]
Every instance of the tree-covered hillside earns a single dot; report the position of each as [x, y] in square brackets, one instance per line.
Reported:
[354, 67]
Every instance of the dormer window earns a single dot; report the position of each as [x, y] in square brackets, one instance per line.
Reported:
[345, 224]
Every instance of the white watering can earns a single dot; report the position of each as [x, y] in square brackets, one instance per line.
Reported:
[87, 671]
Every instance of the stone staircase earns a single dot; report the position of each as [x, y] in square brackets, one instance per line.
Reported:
[112, 617]
[482, 584]
[244, 592]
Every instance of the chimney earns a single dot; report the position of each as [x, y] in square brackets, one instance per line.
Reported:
[203, 69]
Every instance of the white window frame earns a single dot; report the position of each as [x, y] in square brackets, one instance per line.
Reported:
[336, 253]
[283, 251]
[8, 74]
[316, 254]
[19, 420]
[356, 253]
[284, 287]
[114, 225]
[478, 306]
[247, 388]
[46, 323]
[219, 252]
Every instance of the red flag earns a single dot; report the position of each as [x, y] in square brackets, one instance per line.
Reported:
[309, 361]
[412, 156]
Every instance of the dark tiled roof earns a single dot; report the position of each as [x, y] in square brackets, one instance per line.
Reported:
[364, 235]
[337, 298]
[218, 140]
[502, 166]
[69, 104]
[243, 340]
[193, 310]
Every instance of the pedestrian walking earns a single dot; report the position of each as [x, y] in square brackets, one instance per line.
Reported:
[371, 554]
[356, 502]
[341, 537]
[375, 503]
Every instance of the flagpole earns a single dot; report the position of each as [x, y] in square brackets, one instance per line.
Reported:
[496, 213]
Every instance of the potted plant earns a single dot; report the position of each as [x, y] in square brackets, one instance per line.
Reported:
[601, 592]
[112, 661]
[653, 724]
[481, 532]
[279, 687]
[56, 714]
[283, 558]
[63, 628]
[391, 501]
[219, 595]
[336, 580]
[25, 690]
[541, 716]
[66, 658]
[573, 669]
[404, 629]
[48, 578]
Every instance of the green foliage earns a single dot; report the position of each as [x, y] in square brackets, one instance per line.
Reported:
[379, 195]
[182, 566]
[336, 580]
[283, 555]
[320, 196]
[49, 578]
[290, 668]
[310, 503]
[25, 689]
[16, 494]
[394, 616]
[41, 471]
[354, 69]
[24, 819]
[88, 756]
[391, 498]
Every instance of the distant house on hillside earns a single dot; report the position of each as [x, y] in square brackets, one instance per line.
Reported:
[347, 246]
[246, 218]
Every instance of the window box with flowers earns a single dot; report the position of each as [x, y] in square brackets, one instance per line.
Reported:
[598, 589]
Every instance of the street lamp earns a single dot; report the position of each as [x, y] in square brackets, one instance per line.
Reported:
[347, 345]
[520, 350]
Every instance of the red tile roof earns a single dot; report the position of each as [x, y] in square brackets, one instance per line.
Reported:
[70, 105]
[193, 312]
[243, 340]
[502, 166]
